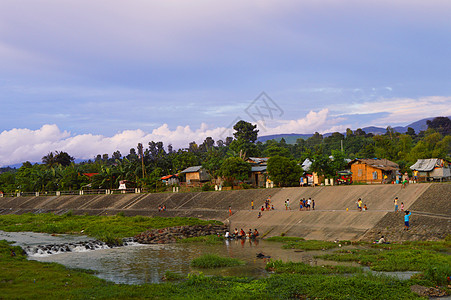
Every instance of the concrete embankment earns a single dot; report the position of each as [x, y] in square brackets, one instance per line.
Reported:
[430, 204]
[330, 220]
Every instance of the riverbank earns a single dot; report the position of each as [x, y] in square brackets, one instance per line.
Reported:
[25, 279]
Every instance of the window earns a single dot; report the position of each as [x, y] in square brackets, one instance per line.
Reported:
[360, 173]
[374, 175]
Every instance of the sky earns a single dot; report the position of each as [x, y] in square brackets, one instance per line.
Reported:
[93, 77]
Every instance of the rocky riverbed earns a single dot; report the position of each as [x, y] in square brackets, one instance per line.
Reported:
[172, 234]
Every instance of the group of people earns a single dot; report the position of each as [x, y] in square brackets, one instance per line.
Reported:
[306, 204]
[242, 234]
[361, 207]
[161, 207]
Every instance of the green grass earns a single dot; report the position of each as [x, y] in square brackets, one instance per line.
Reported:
[207, 239]
[431, 258]
[291, 242]
[301, 268]
[210, 261]
[110, 229]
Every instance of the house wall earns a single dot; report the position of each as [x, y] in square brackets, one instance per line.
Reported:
[257, 179]
[192, 176]
[364, 173]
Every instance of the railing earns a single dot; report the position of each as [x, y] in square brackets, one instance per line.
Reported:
[74, 192]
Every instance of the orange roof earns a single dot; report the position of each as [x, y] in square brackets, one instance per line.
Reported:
[90, 174]
[168, 176]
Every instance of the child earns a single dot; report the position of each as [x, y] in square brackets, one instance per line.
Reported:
[402, 206]
[406, 220]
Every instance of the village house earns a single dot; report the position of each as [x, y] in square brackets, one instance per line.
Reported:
[371, 170]
[431, 169]
[196, 176]
[258, 174]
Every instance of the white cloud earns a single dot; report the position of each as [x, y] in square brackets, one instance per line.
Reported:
[320, 121]
[19, 145]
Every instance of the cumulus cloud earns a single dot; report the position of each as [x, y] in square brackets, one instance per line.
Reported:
[320, 121]
[19, 145]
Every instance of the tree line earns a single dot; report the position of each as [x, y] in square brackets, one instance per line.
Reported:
[146, 164]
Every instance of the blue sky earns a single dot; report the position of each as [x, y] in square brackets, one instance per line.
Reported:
[90, 77]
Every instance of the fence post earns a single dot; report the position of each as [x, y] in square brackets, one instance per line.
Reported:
[37, 194]
[18, 194]
[58, 193]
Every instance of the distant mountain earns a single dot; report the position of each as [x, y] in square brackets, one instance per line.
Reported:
[291, 138]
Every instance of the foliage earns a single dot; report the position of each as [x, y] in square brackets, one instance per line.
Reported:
[235, 168]
[283, 171]
[145, 164]
[209, 261]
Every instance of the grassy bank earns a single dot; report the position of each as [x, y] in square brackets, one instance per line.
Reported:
[25, 279]
[105, 228]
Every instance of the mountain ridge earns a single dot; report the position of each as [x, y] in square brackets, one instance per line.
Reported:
[291, 138]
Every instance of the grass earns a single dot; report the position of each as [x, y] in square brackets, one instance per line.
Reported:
[307, 245]
[207, 239]
[301, 268]
[25, 279]
[210, 261]
[431, 258]
[110, 229]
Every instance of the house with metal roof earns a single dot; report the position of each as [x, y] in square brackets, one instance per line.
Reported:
[196, 175]
[258, 174]
[431, 169]
[373, 170]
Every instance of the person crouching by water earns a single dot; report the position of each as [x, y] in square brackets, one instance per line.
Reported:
[256, 234]
[242, 233]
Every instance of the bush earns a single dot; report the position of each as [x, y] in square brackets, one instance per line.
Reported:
[207, 187]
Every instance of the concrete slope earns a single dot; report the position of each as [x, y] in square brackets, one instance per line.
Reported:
[376, 197]
[330, 220]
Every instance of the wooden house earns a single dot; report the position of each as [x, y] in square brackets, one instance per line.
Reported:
[431, 169]
[373, 170]
[196, 175]
[258, 174]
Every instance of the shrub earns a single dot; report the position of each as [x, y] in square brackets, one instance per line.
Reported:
[207, 187]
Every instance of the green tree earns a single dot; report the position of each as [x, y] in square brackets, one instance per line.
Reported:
[235, 168]
[283, 171]
[440, 124]
[213, 162]
[245, 135]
